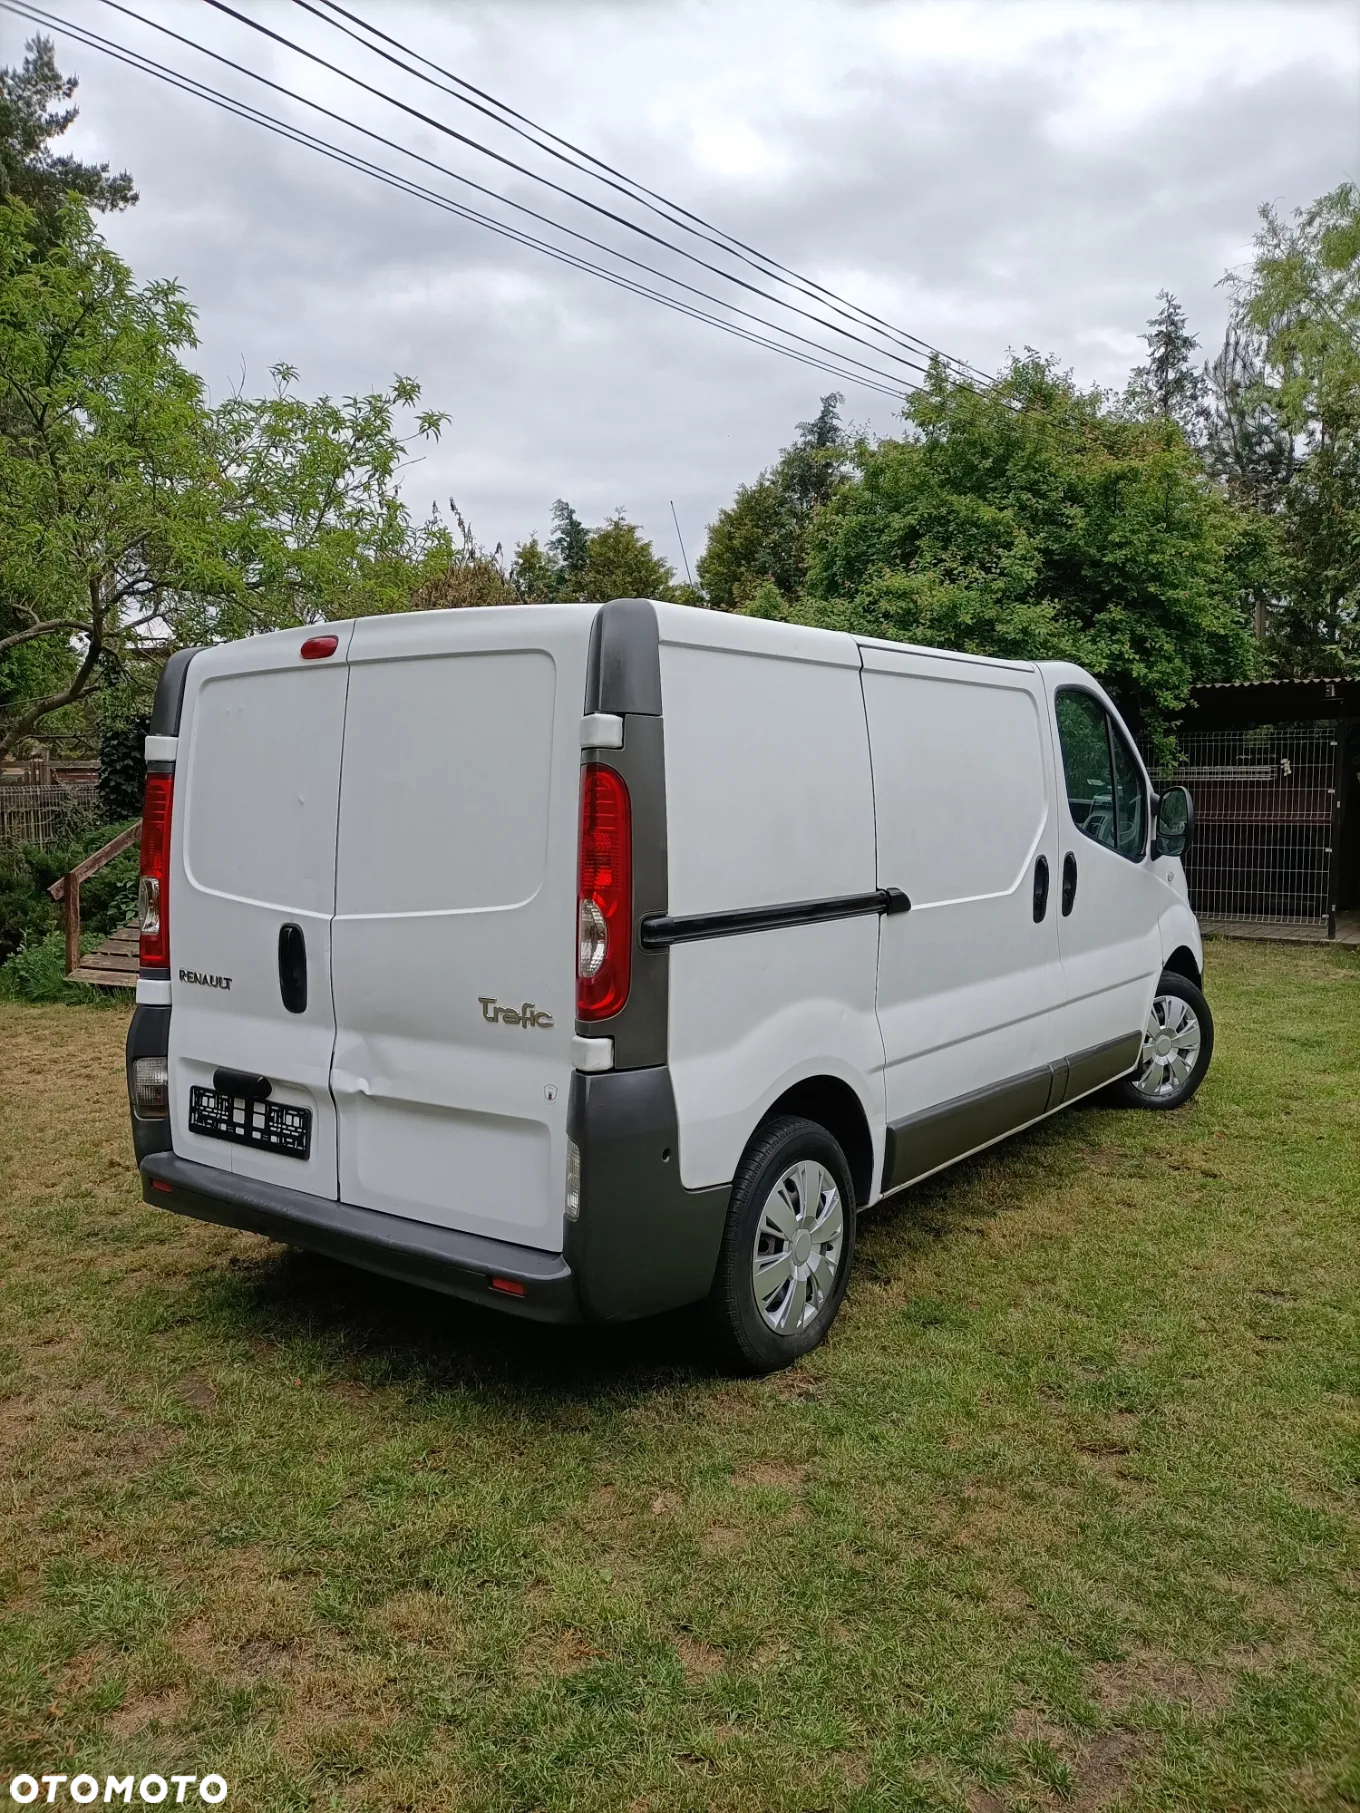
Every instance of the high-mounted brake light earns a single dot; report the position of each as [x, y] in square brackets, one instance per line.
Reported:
[604, 913]
[316, 648]
[153, 901]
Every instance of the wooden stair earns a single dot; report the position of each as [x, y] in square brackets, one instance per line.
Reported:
[114, 963]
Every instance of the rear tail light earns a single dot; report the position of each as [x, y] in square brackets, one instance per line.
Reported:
[604, 913]
[150, 1088]
[153, 903]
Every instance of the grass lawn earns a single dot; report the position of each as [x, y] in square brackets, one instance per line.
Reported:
[1064, 1515]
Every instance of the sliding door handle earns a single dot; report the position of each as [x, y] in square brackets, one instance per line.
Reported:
[1040, 889]
[1069, 887]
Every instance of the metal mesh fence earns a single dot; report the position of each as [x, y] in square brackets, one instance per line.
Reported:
[1263, 821]
[45, 815]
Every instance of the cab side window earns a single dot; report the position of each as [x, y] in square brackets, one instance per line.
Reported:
[1086, 765]
[1105, 790]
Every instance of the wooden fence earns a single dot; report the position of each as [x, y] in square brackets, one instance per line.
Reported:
[45, 815]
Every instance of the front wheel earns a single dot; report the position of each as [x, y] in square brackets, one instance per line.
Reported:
[787, 1247]
[1177, 1046]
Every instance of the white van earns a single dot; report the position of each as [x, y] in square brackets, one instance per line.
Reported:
[593, 960]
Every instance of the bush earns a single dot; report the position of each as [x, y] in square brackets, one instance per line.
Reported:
[122, 767]
[27, 910]
[37, 972]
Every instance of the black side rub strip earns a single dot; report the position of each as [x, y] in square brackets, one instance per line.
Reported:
[663, 929]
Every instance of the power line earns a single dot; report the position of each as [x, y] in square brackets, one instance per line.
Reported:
[297, 135]
[894, 380]
[673, 212]
[537, 176]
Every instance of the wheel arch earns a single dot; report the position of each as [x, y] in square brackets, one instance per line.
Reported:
[833, 1104]
[1182, 963]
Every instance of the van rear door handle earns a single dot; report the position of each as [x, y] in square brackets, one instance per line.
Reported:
[1040, 889]
[1069, 891]
[293, 968]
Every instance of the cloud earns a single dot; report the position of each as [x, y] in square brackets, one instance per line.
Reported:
[987, 175]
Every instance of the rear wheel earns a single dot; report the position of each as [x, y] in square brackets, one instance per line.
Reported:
[787, 1247]
[1178, 1043]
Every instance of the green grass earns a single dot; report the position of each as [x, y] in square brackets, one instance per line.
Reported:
[1064, 1515]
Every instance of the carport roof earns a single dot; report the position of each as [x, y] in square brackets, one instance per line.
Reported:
[1239, 704]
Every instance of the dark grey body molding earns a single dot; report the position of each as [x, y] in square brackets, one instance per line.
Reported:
[644, 1242]
[925, 1142]
[148, 1037]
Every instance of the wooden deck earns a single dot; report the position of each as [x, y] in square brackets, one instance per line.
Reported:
[113, 964]
[1276, 930]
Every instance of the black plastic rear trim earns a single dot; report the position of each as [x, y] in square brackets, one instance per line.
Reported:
[148, 1037]
[662, 929]
[169, 698]
[623, 666]
[460, 1265]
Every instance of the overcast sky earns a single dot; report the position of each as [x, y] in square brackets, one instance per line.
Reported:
[985, 176]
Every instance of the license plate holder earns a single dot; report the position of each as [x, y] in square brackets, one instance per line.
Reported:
[267, 1126]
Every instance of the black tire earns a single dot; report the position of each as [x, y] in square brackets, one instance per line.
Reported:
[741, 1330]
[1154, 1084]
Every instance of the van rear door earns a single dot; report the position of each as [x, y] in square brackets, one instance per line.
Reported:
[454, 938]
[257, 784]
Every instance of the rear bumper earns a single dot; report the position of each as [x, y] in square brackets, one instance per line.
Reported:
[461, 1265]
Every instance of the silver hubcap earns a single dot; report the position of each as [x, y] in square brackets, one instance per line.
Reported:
[1170, 1047]
[798, 1246]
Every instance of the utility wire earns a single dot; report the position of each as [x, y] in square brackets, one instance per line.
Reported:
[846, 359]
[296, 135]
[510, 163]
[581, 160]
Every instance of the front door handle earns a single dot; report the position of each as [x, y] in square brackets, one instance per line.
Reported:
[1069, 891]
[293, 968]
[1040, 889]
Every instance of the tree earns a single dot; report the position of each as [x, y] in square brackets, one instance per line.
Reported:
[761, 537]
[30, 118]
[472, 575]
[134, 517]
[613, 561]
[621, 563]
[1247, 447]
[1032, 520]
[1170, 384]
[1300, 304]
[569, 543]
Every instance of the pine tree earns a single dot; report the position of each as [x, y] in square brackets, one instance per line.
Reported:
[1170, 384]
[29, 170]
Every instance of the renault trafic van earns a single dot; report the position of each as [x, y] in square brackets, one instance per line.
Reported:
[594, 960]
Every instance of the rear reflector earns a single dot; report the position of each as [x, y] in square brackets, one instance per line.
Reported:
[511, 1286]
[604, 897]
[153, 897]
[164, 1188]
[316, 648]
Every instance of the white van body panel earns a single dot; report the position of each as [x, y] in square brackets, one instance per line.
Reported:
[455, 907]
[252, 848]
[965, 800]
[769, 799]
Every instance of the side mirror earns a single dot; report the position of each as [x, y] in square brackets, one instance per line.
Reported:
[1175, 823]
